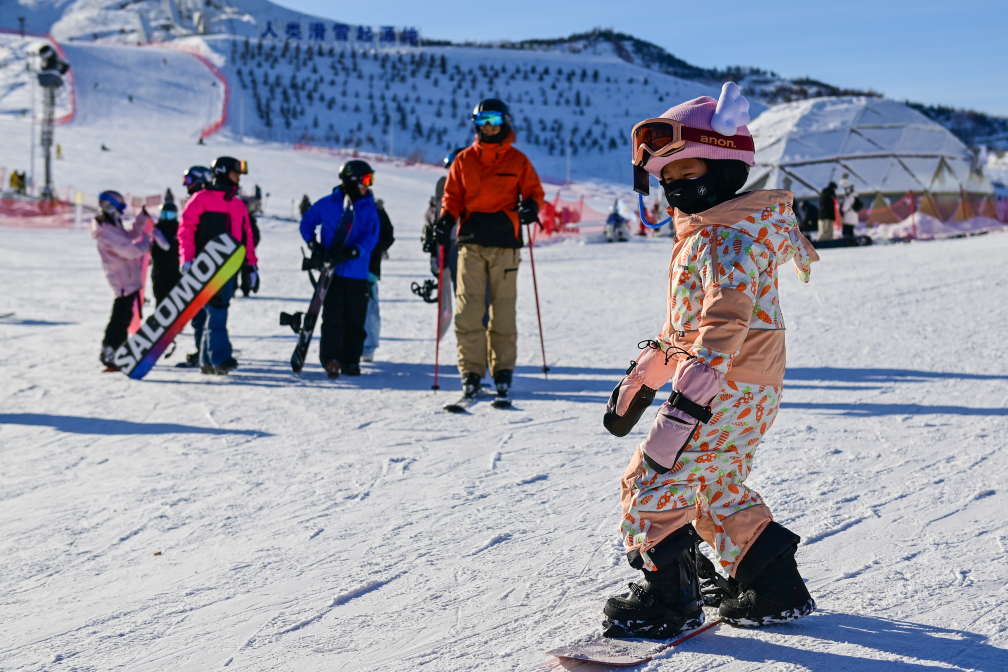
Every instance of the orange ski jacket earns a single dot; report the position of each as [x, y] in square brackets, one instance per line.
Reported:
[482, 191]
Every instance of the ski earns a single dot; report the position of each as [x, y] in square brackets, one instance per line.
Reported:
[304, 324]
[460, 406]
[622, 652]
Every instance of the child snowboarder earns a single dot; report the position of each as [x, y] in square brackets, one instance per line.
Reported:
[122, 255]
[722, 346]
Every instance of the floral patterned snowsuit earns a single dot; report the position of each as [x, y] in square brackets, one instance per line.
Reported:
[724, 308]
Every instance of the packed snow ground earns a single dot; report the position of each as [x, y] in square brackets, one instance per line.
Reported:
[303, 524]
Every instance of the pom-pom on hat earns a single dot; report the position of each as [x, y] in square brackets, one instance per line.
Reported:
[726, 117]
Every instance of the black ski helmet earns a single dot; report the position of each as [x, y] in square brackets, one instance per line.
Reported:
[450, 158]
[223, 165]
[356, 171]
[492, 105]
[196, 178]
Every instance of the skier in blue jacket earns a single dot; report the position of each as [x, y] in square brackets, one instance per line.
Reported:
[350, 225]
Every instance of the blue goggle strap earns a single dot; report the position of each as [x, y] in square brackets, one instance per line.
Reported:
[640, 199]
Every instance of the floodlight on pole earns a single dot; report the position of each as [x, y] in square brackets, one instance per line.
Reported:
[50, 78]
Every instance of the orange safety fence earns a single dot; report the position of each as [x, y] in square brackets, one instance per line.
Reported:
[563, 216]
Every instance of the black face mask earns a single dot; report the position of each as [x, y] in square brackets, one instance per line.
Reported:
[351, 190]
[693, 196]
[497, 139]
[723, 179]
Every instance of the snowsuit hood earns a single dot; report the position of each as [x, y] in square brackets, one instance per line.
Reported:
[122, 252]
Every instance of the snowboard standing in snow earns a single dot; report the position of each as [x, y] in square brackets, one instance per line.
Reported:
[304, 325]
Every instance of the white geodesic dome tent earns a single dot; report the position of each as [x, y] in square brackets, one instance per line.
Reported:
[885, 148]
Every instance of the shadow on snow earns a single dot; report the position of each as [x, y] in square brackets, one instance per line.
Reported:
[77, 425]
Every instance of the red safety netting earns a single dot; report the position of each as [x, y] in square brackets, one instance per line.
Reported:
[563, 216]
[30, 213]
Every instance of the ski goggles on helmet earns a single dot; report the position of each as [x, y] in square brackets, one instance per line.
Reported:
[168, 215]
[111, 201]
[367, 180]
[491, 118]
[665, 137]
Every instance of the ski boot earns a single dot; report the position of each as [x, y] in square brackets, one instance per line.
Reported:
[471, 385]
[666, 601]
[352, 370]
[502, 379]
[772, 590]
[229, 364]
[332, 369]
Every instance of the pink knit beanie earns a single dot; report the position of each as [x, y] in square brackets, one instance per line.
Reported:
[726, 117]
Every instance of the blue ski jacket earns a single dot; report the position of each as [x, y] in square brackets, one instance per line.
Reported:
[363, 235]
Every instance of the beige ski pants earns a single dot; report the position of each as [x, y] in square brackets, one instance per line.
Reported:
[496, 345]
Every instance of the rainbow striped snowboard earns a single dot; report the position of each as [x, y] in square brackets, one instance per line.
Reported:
[217, 263]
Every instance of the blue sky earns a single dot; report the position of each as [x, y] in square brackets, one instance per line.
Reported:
[951, 53]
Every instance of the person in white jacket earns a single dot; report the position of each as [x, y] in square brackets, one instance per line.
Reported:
[848, 211]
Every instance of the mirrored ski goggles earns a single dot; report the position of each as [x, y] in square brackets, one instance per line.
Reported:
[656, 137]
[491, 118]
[169, 215]
[367, 180]
[242, 167]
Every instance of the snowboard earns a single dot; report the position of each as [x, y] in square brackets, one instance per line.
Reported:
[216, 263]
[622, 652]
[304, 324]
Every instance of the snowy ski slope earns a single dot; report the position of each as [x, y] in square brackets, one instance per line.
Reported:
[264, 522]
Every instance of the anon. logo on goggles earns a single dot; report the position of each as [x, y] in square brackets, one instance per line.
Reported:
[665, 137]
[492, 118]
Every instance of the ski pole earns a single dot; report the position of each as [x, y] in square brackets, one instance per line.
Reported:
[535, 287]
[437, 338]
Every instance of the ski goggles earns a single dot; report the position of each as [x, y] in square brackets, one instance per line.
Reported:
[168, 215]
[241, 167]
[491, 118]
[367, 180]
[665, 137]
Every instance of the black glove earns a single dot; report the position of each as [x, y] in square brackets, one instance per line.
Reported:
[343, 255]
[528, 211]
[443, 228]
[250, 280]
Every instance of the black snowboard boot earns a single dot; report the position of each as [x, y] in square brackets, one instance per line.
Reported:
[352, 370]
[666, 601]
[713, 587]
[772, 589]
[191, 361]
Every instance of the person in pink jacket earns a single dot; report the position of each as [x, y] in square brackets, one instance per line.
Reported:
[206, 215]
[722, 347]
[122, 254]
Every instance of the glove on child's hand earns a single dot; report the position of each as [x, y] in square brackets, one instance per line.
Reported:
[636, 391]
[694, 387]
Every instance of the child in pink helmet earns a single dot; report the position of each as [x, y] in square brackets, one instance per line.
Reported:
[722, 346]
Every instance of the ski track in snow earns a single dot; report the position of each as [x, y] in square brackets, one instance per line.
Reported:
[269, 522]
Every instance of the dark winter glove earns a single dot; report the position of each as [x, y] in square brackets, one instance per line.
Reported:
[250, 280]
[528, 211]
[343, 255]
[443, 228]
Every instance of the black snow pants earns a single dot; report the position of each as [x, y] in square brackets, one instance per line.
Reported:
[122, 315]
[343, 316]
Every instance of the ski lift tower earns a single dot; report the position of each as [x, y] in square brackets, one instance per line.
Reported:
[50, 78]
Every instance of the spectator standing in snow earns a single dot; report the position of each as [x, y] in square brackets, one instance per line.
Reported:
[849, 210]
[485, 184]
[165, 262]
[827, 211]
[209, 213]
[722, 347]
[122, 255]
[195, 179]
[372, 324]
[616, 225]
[350, 227]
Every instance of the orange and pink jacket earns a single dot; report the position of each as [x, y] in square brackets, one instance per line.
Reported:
[723, 304]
